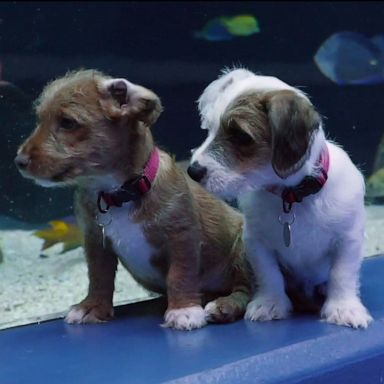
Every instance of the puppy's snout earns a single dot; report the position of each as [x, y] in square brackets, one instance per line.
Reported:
[196, 171]
[22, 161]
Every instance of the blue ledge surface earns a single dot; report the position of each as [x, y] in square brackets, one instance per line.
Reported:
[135, 349]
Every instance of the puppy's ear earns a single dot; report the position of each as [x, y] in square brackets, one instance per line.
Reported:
[124, 99]
[293, 121]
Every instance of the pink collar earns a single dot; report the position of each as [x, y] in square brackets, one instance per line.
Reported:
[308, 186]
[133, 188]
[151, 168]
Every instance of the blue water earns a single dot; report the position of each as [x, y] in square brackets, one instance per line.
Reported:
[153, 43]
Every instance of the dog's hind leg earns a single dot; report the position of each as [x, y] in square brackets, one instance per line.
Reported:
[343, 305]
[229, 308]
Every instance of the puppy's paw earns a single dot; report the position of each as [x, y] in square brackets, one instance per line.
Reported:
[349, 312]
[90, 311]
[224, 310]
[264, 308]
[185, 319]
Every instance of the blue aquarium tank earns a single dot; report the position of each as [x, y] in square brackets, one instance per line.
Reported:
[333, 51]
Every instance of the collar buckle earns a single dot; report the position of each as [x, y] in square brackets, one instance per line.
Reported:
[131, 190]
[134, 188]
[309, 186]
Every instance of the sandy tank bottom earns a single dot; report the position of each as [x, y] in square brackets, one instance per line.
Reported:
[36, 287]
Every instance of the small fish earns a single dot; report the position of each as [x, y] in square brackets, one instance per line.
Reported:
[352, 58]
[242, 25]
[225, 28]
[61, 232]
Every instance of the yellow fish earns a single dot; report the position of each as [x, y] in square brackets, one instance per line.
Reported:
[242, 25]
[61, 232]
[224, 28]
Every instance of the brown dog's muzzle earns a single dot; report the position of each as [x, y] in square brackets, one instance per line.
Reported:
[22, 161]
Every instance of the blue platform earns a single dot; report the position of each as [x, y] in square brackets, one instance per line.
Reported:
[135, 349]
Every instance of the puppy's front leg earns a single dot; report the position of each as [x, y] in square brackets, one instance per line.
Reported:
[102, 263]
[343, 305]
[184, 310]
[270, 301]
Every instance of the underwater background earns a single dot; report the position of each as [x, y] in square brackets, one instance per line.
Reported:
[155, 44]
[333, 51]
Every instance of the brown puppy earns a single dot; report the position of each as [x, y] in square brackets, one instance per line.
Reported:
[172, 235]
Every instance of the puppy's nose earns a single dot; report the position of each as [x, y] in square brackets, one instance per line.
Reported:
[22, 161]
[196, 171]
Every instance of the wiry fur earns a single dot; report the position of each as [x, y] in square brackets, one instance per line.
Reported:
[263, 132]
[177, 239]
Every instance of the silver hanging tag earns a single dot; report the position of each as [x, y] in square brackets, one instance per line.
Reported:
[286, 221]
[103, 235]
[287, 234]
[103, 220]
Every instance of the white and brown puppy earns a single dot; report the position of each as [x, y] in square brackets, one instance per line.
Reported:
[134, 203]
[302, 197]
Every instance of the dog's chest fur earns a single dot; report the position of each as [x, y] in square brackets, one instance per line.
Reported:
[323, 222]
[309, 255]
[131, 245]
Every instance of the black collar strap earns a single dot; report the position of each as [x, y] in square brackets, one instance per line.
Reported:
[133, 188]
[308, 186]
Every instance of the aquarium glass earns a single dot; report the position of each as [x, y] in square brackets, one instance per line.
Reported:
[333, 51]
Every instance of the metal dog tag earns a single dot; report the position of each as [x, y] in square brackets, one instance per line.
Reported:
[103, 234]
[287, 234]
[103, 220]
[286, 222]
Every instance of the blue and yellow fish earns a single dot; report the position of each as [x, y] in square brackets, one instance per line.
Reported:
[226, 28]
[349, 57]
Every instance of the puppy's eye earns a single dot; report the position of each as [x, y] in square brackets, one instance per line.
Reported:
[238, 136]
[68, 124]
